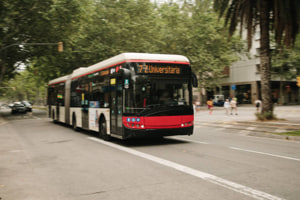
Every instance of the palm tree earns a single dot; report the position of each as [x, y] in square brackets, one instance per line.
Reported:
[280, 16]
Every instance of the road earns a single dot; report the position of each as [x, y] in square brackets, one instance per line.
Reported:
[43, 160]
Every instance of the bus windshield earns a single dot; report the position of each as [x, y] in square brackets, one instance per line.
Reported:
[147, 93]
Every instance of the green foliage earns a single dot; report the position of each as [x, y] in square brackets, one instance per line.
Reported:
[286, 62]
[291, 133]
[199, 36]
[27, 86]
[15, 20]
[95, 30]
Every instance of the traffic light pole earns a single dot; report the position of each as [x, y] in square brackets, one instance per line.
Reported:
[14, 88]
[59, 44]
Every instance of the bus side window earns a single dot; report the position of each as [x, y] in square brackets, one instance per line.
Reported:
[97, 90]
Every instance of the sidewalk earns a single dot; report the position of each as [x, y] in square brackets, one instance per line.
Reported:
[288, 114]
[245, 121]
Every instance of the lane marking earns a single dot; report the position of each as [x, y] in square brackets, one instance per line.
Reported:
[199, 174]
[251, 128]
[281, 131]
[263, 153]
[240, 149]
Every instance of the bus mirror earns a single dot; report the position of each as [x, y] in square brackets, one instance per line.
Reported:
[194, 80]
[125, 73]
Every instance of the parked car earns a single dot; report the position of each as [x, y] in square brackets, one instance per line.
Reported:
[218, 100]
[27, 106]
[18, 107]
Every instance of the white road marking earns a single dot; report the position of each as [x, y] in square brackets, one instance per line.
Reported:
[203, 175]
[281, 131]
[245, 132]
[263, 153]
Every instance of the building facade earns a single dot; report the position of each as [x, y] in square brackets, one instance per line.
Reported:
[243, 81]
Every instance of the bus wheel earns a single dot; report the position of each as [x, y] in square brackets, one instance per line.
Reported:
[103, 130]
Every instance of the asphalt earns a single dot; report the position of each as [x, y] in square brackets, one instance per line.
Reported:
[245, 121]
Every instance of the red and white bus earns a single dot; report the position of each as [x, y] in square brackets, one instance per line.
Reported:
[129, 95]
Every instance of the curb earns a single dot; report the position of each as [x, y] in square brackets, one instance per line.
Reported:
[274, 136]
[279, 122]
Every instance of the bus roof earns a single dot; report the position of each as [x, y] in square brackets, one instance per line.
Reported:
[59, 80]
[130, 57]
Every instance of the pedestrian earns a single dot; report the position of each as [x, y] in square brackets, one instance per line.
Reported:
[257, 104]
[210, 105]
[198, 106]
[233, 104]
[227, 106]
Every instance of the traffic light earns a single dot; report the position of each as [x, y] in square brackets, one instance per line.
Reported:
[60, 46]
[298, 81]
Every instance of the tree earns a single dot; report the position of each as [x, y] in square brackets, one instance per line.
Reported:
[281, 16]
[65, 21]
[286, 65]
[96, 30]
[48, 21]
[192, 30]
[14, 21]
[27, 86]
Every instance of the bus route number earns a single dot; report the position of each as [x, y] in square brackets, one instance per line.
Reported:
[152, 69]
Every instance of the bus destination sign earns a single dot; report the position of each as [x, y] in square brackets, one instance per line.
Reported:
[158, 69]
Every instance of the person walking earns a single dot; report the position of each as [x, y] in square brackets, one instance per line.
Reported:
[210, 106]
[257, 104]
[227, 106]
[233, 104]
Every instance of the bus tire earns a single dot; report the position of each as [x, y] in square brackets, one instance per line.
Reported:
[103, 129]
[74, 123]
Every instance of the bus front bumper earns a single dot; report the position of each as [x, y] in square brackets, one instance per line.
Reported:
[136, 133]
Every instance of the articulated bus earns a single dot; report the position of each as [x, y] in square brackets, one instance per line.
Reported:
[129, 95]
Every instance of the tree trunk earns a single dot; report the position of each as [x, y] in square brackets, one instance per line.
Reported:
[281, 92]
[265, 58]
[2, 71]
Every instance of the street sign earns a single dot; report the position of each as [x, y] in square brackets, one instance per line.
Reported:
[233, 87]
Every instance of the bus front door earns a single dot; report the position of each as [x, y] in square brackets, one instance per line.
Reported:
[116, 109]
